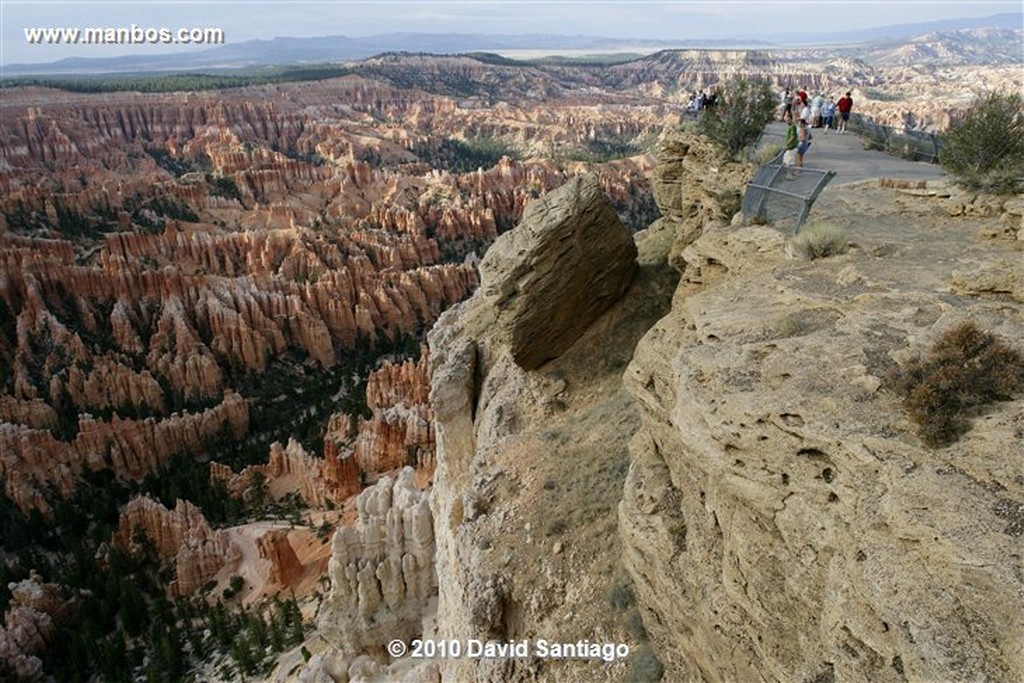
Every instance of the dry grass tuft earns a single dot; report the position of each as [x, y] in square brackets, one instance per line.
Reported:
[820, 240]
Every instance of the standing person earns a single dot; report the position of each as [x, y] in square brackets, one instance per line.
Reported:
[805, 112]
[828, 114]
[787, 104]
[816, 105]
[845, 106]
[804, 137]
[792, 142]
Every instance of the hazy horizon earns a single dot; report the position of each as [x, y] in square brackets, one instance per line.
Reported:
[248, 21]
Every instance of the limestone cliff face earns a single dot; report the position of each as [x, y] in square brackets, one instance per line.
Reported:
[381, 569]
[498, 578]
[780, 520]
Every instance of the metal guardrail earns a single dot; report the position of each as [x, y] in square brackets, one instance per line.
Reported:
[909, 144]
[783, 195]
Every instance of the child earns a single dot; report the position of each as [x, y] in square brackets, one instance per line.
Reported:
[804, 137]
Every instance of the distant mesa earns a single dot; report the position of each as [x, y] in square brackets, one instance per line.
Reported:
[324, 49]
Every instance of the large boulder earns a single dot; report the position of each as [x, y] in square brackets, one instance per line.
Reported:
[566, 263]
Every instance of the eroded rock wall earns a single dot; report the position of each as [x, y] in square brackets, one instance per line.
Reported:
[182, 536]
[398, 433]
[290, 469]
[400, 429]
[34, 463]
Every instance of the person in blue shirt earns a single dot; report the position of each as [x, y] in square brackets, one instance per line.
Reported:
[828, 114]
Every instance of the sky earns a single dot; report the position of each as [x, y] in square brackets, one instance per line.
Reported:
[255, 19]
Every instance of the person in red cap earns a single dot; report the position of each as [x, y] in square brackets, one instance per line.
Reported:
[845, 106]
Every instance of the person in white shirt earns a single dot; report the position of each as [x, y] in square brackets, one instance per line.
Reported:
[816, 105]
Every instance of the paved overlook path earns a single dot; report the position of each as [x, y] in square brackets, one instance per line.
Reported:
[845, 154]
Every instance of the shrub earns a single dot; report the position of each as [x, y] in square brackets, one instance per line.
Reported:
[744, 108]
[965, 368]
[984, 147]
[820, 240]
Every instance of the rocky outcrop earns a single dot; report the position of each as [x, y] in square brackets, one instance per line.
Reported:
[85, 352]
[381, 569]
[285, 567]
[184, 537]
[35, 612]
[567, 261]
[35, 414]
[781, 521]
[400, 430]
[290, 469]
[394, 384]
[529, 463]
[696, 188]
[202, 322]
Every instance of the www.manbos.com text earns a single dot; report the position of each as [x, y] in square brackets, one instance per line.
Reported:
[124, 35]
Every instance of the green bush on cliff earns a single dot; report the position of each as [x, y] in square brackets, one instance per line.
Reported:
[984, 147]
[965, 368]
[744, 108]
